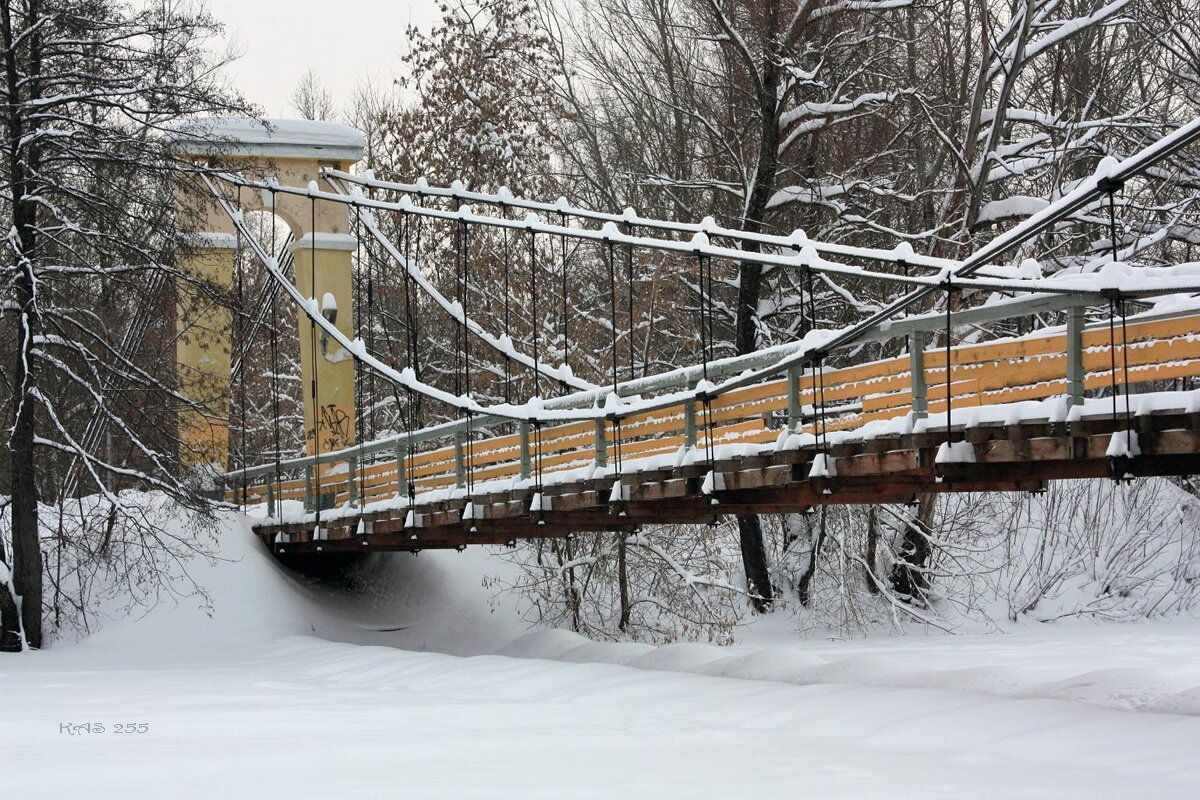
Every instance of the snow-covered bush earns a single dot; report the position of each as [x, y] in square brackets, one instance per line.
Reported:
[116, 556]
[1111, 551]
[1081, 549]
[664, 583]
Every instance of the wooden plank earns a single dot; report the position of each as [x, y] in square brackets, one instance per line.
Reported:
[766, 406]
[1038, 380]
[648, 418]
[1176, 443]
[761, 391]
[1002, 451]
[892, 461]
[660, 490]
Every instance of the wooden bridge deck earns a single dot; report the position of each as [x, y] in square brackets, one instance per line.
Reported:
[882, 470]
[763, 445]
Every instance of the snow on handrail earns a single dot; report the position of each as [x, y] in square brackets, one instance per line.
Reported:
[806, 256]
[900, 255]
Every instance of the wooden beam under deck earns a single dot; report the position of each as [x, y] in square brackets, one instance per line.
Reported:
[895, 469]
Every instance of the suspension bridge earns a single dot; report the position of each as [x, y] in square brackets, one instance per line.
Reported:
[1082, 374]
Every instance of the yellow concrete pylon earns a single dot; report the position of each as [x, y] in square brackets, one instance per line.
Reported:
[203, 351]
[292, 152]
[329, 415]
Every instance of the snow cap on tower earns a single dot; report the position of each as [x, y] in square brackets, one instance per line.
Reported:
[269, 138]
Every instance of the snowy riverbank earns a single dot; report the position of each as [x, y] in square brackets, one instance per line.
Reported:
[291, 691]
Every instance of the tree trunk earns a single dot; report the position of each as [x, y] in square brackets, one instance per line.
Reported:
[909, 580]
[27, 552]
[10, 626]
[802, 585]
[623, 581]
[750, 277]
[754, 561]
[754, 556]
[872, 549]
[573, 588]
[22, 162]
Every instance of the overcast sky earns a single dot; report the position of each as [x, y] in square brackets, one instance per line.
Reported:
[343, 41]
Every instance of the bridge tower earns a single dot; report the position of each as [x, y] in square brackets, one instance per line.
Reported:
[291, 152]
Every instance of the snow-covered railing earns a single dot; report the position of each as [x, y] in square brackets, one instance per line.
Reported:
[602, 402]
[682, 378]
[1066, 362]
[803, 254]
[899, 256]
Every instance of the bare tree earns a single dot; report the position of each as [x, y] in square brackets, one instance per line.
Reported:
[88, 202]
[766, 115]
[311, 100]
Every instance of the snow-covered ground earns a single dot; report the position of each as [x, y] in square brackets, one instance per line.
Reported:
[416, 686]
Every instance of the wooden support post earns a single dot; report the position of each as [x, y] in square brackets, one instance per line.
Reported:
[916, 358]
[523, 427]
[1075, 355]
[795, 412]
[401, 475]
[601, 444]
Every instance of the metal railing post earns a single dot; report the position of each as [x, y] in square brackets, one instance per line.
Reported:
[1075, 322]
[689, 423]
[916, 370]
[309, 501]
[271, 494]
[795, 409]
[460, 468]
[401, 474]
[601, 444]
[523, 428]
[352, 479]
